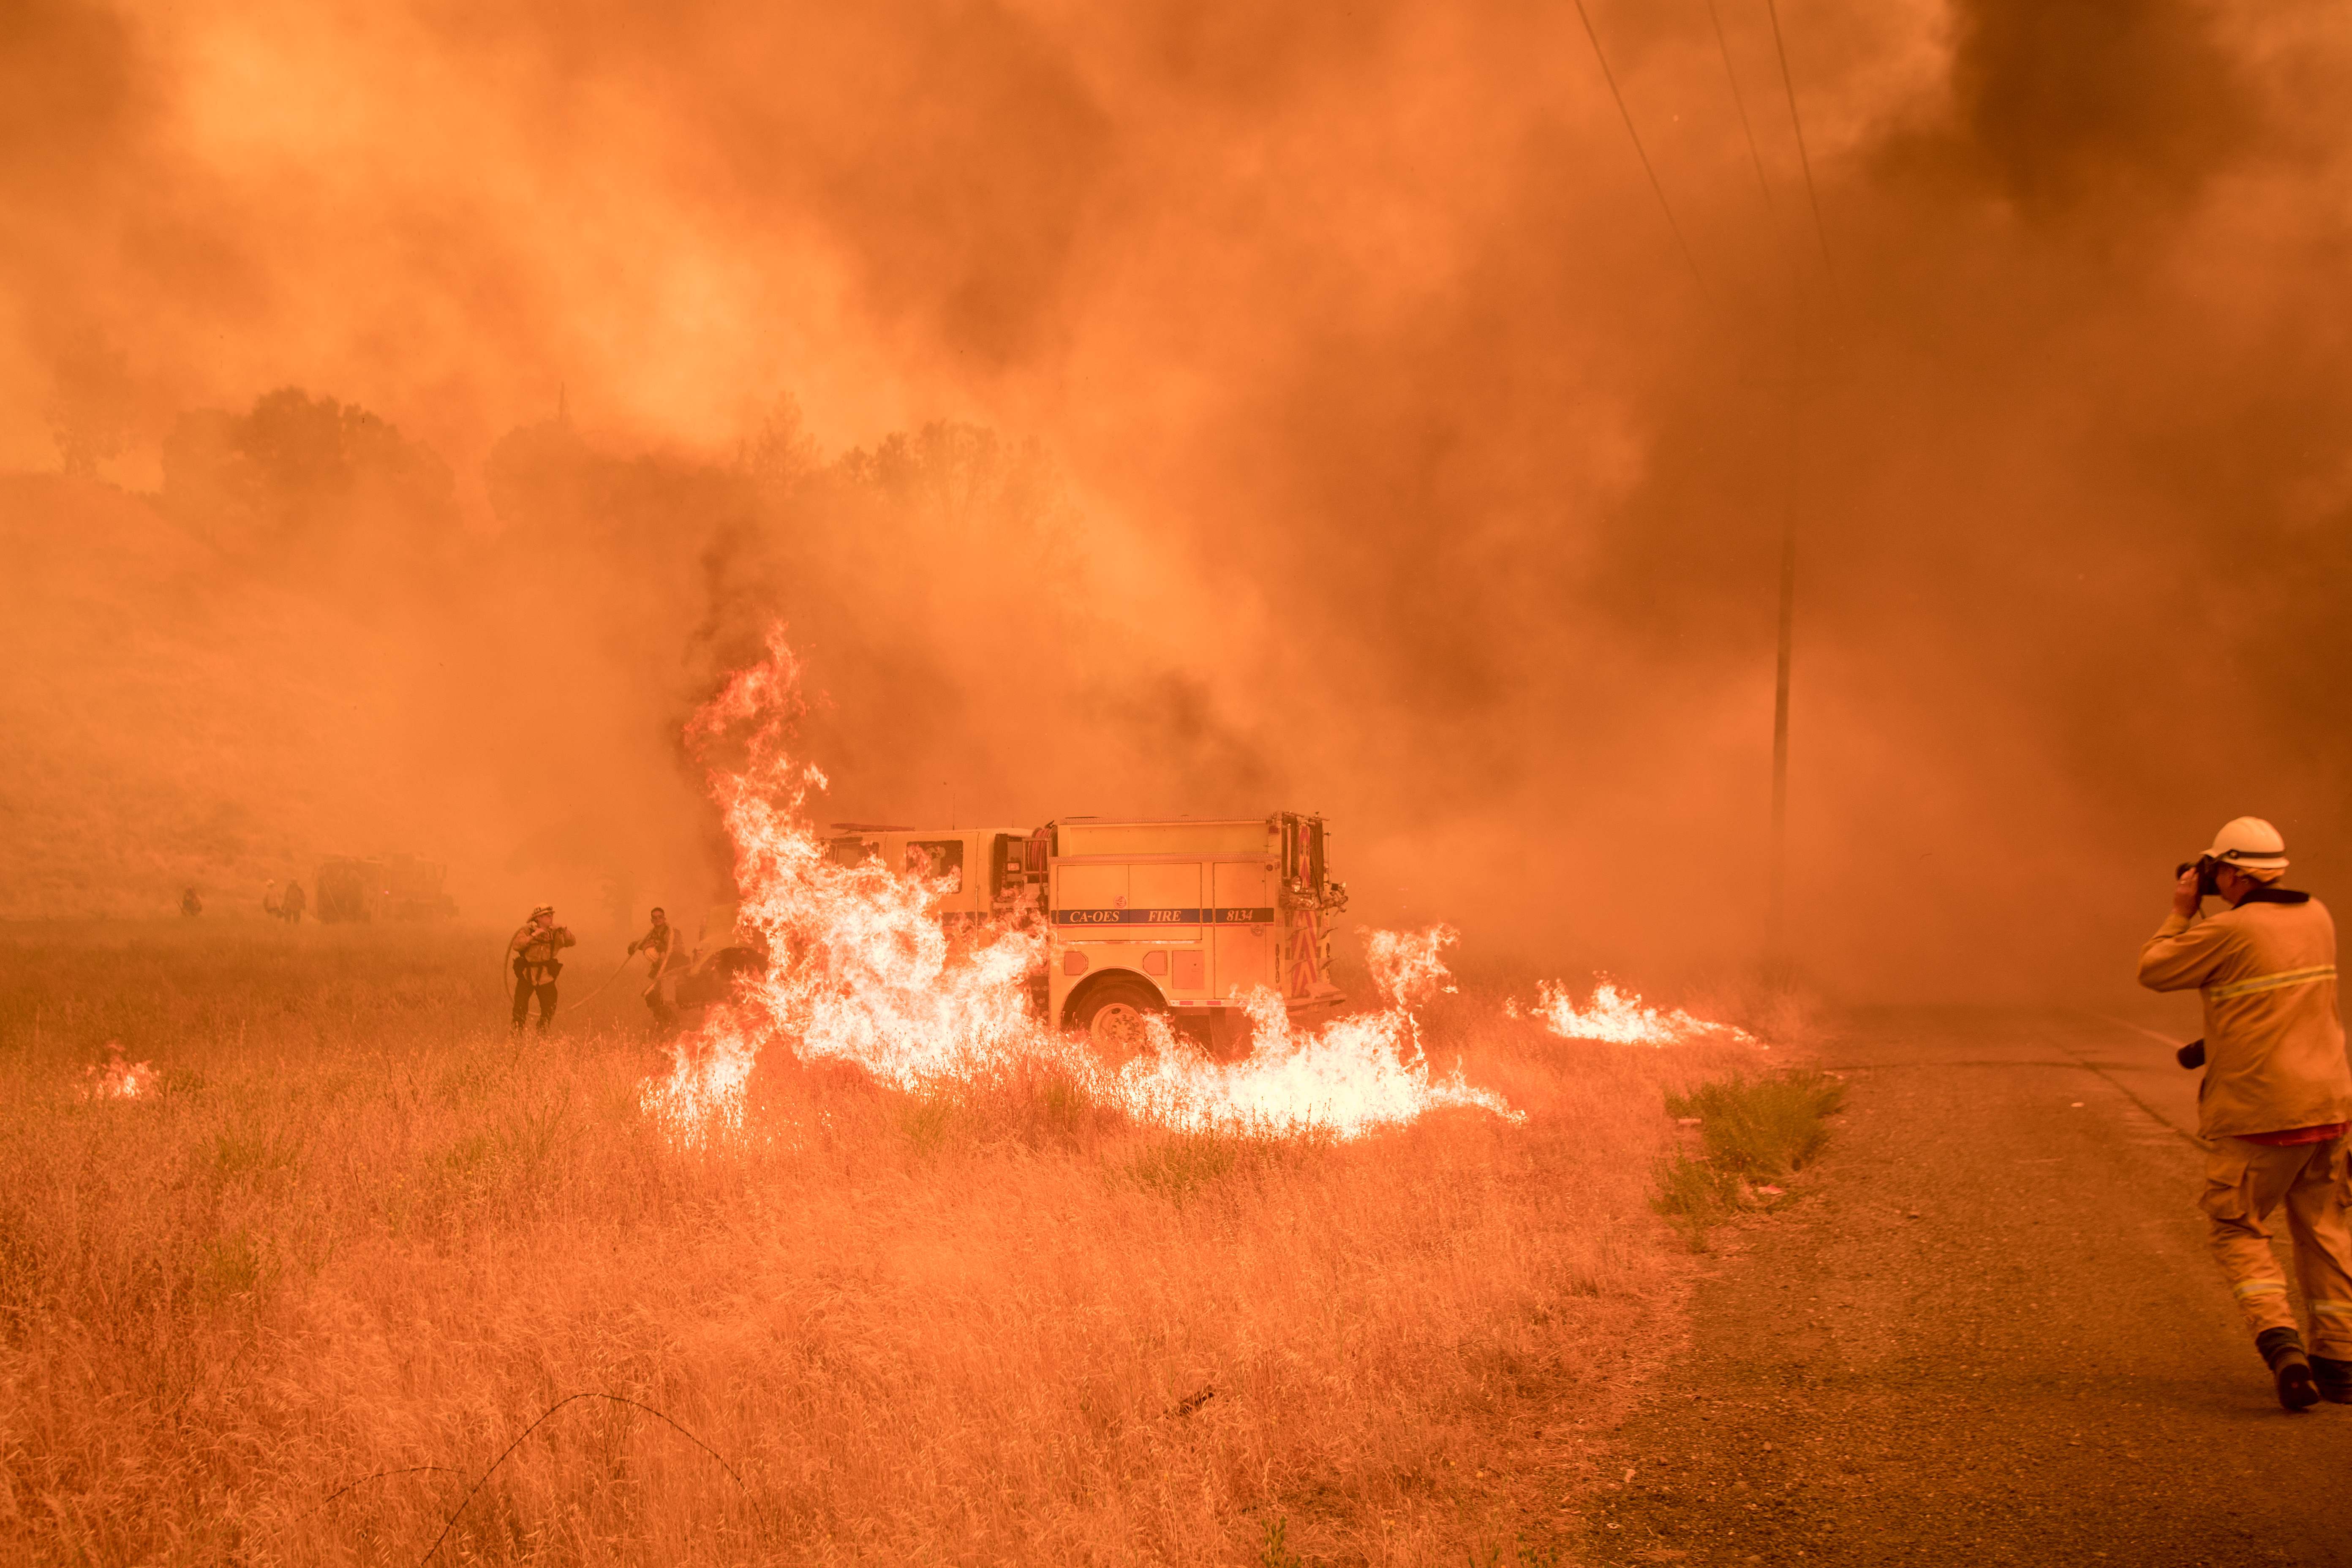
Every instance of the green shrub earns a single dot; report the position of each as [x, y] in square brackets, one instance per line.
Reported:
[929, 1121]
[1763, 1127]
[1693, 1195]
[1751, 1131]
[1179, 1167]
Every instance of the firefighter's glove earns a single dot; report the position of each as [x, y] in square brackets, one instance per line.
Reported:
[2191, 1055]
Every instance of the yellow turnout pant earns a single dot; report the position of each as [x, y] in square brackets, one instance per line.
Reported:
[2243, 1182]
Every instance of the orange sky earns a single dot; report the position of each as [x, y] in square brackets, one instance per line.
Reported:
[1393, 427]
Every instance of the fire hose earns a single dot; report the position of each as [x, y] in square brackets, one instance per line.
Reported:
[606, 981]
[507, 981]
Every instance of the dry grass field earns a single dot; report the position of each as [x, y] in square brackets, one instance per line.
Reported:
[292, 1303]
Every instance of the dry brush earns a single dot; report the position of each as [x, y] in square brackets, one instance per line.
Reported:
[292, 1304]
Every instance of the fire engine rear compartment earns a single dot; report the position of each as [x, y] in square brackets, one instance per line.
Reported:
[1202, 913]
[1188, 916]
[1201, 926]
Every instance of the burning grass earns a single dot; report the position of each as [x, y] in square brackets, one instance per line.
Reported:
[864, 972]
[1621, 1018]
[116, 1078]
[290, 1304]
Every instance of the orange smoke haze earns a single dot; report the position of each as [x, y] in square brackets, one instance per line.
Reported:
[1189, 409]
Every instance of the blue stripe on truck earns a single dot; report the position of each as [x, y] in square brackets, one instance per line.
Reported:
[1224, 917]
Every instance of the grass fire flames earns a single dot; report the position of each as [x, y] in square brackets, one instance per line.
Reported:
[904, 1274]
[1621, 1018]
[116, 1078]
[862, 971]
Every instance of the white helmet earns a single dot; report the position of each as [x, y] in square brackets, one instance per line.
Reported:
[2251, 842]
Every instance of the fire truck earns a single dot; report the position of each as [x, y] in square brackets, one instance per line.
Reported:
[1183, 918]
[391, 887]
[1186, 918]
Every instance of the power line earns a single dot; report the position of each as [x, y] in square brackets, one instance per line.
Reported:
[1640, 152]
[1723, 46]
[1804, 157]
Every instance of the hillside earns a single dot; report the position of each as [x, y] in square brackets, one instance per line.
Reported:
[173, 723]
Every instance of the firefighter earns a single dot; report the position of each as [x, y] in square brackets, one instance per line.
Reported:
[191, 905]
[664, 962]
[2276, 1099]
[293, 904]
[534, 946]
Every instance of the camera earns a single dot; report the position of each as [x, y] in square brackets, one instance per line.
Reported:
[2205, 866]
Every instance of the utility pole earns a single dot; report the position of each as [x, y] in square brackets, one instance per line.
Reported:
[1776, 946]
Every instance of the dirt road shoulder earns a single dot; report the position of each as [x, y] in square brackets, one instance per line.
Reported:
[1990, 1334]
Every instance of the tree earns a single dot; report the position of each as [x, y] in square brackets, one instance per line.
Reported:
[294, 467]
[90, 406]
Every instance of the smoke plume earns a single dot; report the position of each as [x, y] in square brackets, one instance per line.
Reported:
[1193, 409]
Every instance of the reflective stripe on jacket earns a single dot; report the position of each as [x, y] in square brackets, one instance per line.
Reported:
[2273, 1041]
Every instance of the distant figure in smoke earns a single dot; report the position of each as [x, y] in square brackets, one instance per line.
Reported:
[294, 904]
[534, 948]
[660, 946]
[2277, 1097]
[190, 904]
[269, 904]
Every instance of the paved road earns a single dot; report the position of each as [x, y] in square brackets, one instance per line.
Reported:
[1990, 1334]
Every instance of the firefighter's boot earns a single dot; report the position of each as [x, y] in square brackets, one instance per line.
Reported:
[2334, 1377]
[2290, 1368]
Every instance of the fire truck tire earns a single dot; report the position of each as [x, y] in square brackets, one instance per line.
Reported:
[1112, 1010]
[715, 979]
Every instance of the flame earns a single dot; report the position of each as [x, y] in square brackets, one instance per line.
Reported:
[1621, 1018]
[862, 971]
[1348, 1075]
[1408, 969]
[118, 1079]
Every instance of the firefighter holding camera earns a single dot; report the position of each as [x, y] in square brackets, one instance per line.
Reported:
[2276, 1099]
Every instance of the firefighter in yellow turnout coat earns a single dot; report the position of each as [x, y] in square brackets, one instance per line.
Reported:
[533, 949]
[2276, 1099]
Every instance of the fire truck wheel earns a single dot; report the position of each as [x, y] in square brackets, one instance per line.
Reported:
[1112, 1013]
